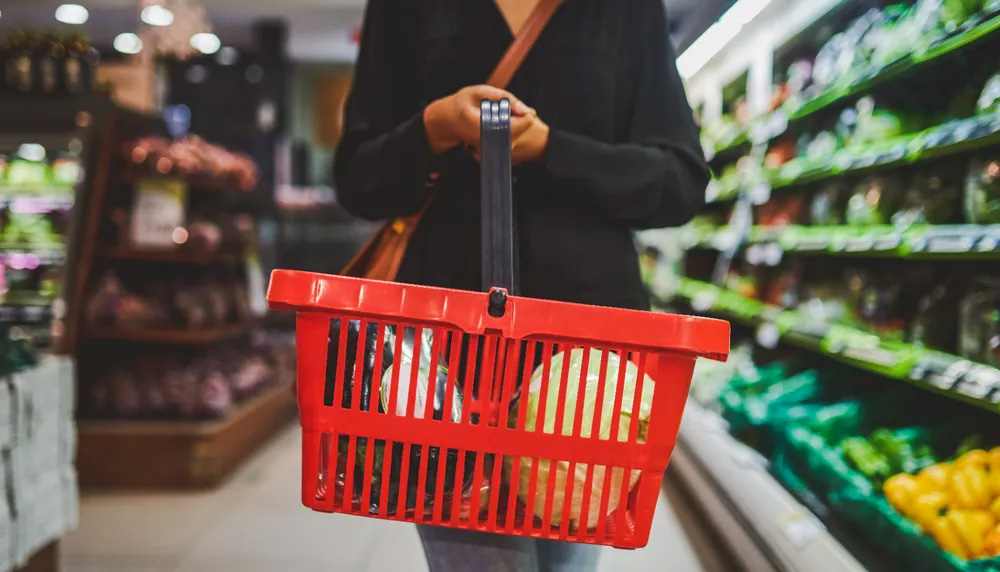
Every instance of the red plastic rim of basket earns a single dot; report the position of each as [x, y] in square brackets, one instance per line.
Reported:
[670, 342]
[524, 319]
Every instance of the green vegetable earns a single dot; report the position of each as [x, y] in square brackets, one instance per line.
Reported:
[586, 395]
[866, 458]
[903, 456]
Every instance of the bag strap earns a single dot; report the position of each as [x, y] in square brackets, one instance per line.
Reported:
[523, 42]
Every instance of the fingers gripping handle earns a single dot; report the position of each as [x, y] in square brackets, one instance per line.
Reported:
[497, 201]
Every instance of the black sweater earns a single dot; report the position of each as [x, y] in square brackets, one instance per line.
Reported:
[623, 151]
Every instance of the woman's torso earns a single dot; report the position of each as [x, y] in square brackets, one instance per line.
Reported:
[578, 79]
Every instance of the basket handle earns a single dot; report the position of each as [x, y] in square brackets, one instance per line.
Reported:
[497, 201]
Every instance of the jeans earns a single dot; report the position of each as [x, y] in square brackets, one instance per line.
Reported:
[450, 550]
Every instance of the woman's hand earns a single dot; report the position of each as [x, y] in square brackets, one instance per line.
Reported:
[530, 145]
[454, 120]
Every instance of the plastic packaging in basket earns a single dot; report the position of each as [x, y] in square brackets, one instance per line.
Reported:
[486, 412]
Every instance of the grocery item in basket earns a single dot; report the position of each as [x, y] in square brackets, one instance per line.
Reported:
[584, 394]
[422, 388]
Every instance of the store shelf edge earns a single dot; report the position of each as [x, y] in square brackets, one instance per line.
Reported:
[906, 358]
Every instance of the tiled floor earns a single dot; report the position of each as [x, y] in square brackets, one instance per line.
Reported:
[255, 523]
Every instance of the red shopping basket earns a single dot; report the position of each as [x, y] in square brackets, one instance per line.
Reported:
[428, 405]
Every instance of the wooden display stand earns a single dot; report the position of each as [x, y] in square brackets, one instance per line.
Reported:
[179, 455]
[155, 454]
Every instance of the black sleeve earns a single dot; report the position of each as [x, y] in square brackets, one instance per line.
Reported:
[382, 166]
[657, 176]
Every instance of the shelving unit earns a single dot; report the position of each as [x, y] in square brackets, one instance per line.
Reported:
[187, 448]
[768, 127]
[839, 259]
[947, 374]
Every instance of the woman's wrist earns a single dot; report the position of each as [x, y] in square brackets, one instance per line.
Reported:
[435, 126]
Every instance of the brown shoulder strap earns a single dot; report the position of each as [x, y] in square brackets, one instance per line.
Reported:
[522, 44]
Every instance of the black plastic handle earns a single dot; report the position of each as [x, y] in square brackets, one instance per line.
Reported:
[497, 200]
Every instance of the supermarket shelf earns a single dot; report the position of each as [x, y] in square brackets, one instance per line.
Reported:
[200, 182]
[27, 314]
[28, 202]
[21, 256]
[181, 454]
[176, 255]
[764, 524]
[959, 242]
[949, 375]
[169, 336]
[910, 63]
[951, 138]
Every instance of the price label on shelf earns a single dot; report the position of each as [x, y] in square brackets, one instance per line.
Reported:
[704, 300]
[979, 382]
[801, 529]
[860, 244]
[888, 242]
[950, 377]
[158, 213]
[768, 335]
[951, 244]
[760, 193]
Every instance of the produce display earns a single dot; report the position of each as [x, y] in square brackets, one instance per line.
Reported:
[844, 440]
[461, 491]
[155, 385]
[191, 156]
[206, 303]
[30, 167]
[864, 284]
[957, 502]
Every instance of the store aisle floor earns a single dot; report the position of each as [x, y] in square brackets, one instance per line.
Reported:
[255, 523]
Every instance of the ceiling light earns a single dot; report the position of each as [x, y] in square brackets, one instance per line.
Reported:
[206, 43]
[72, 14]
[156, 15]
[227, 56]
[128, 43]
[718, 35]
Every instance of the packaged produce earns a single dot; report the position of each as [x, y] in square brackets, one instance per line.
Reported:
[873, 201]
[935, 322]
[931, 198]
[585, 395]
[828, 205]
[982, 189]
[979, 322]
[989, 100]
[398, 391]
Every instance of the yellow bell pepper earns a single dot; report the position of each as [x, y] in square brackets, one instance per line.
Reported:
[974, 458]
[995, 471]
[935, 477]
[927, 507]
[991, 544]
[901, 490]
[995, 507]
[970, 487]
[947, 538]
[972, 526]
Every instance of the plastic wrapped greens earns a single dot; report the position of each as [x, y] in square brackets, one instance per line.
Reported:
[585, 395]
[389, 380]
